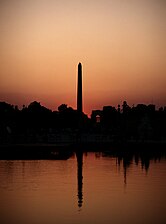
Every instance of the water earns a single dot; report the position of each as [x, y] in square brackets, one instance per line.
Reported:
[102, 189]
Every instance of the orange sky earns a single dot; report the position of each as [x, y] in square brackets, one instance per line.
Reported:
[121, 45]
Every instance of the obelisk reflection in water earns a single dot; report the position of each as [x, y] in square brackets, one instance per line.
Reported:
[79, 155]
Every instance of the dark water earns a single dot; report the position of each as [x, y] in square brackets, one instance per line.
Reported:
[96, 188]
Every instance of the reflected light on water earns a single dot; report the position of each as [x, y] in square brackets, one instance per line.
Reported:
[89, 188]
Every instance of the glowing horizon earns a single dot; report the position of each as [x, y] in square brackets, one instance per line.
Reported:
[120, 45]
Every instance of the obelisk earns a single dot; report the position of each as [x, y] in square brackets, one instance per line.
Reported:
[79, 89]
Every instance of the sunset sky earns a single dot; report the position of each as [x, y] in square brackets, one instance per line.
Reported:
[120, 43]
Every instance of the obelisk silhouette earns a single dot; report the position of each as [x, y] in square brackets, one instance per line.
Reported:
[79, 89]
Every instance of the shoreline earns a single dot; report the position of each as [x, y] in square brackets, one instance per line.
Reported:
[65, 150]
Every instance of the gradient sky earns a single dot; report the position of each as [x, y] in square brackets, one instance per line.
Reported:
[121, 44]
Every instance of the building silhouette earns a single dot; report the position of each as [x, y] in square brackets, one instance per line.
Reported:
[79, 89]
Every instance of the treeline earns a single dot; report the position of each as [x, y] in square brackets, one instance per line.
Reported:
[23, 125]
[35, 122]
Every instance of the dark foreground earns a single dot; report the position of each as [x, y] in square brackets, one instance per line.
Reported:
[65, 151]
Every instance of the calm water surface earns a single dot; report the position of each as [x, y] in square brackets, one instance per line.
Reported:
[95, 188]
